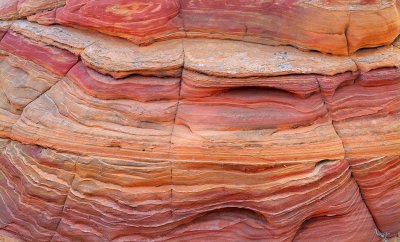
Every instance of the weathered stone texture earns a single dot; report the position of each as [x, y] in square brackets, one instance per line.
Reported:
[207, 120]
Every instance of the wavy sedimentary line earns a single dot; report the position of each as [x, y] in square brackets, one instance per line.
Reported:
[42, 55]
[173, 129]
[233, 58]
[40, 184]
[356, 24]
[85, 230]
[298, 31]
[379, 187]
[364, 109]
[371, 93]
[74, 117]
[109, 55]
[28, 69]
[369, 87]
[261, 70]
[358, 103]
[64, 203]
[95, 91]
[197, 88]
[239, 194]
[73, 40]
[256, 73]
[104, 190]
[328, 88]
[228, 100]
[130, 178]
[223, 61]
[163, 59]
[132, 116]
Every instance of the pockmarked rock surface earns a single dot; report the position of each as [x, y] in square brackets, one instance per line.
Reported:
[199, 120]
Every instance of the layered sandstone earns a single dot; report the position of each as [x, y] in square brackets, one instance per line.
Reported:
[339, 27]
[201, 123]
[14, 9]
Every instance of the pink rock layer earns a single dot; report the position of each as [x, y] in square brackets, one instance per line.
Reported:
[365, 109]
[353, 95]
[143, 89]
[379, 184]
[330, 27]
[247, 142]
[154, 168]
[133, 200]
[129, 120]
[140, 21]
[56, 60]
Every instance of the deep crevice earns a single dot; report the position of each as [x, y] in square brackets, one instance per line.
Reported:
[172, 131]
[64, 203]
[344, 155]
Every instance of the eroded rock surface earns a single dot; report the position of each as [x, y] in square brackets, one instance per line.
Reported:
[212, 138]
[14, 9]
[338, 27]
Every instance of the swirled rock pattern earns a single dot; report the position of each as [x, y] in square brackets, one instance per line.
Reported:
[338, 27]
[199, 120]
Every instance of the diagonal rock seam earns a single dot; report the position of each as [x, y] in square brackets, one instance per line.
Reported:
[65, 202]
[173, 127]
[44, 93]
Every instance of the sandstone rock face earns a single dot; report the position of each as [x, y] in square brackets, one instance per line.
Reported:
[338, 27]
[199, 120]
[14, 9]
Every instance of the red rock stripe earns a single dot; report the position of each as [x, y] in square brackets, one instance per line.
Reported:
[379, 77]
[196, 85]
[140, 21]
[56, 60]
[378, 179]
[136, 87]
[251, 108]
